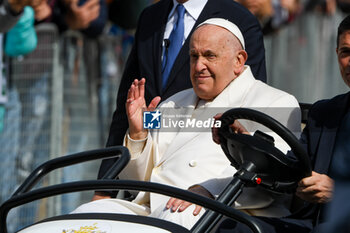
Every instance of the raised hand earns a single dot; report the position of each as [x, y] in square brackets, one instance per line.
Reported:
[80, 17]
[135, 106]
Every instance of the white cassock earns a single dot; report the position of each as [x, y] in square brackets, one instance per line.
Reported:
[182, 159]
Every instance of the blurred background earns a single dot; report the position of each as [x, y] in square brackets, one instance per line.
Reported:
[59, 99]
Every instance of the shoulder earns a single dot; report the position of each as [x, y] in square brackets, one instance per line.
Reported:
[149, 18]
[156, 8]
[329, 110]
[181, 99]
[274, 96]
[338, 101]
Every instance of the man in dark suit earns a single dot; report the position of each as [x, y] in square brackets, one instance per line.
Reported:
[145, 59]
[323, 139]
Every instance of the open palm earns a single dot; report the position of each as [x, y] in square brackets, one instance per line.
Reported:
[135, 106]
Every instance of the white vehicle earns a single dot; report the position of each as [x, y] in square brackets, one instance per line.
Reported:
[253, 168]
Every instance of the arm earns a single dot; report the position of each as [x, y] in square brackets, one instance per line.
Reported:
[180, 205]
[318, 188]
[135, 105]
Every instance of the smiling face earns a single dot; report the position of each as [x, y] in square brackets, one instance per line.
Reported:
[217, 58]
[343, 53]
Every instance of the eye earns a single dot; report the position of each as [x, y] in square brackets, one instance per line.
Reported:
[344, 53]
[210, 55]
[194, 56]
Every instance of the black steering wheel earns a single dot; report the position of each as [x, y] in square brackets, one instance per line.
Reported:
[273, 169]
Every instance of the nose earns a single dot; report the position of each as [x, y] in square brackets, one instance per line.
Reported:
[200, 64]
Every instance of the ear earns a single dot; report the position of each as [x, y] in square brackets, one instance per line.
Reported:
[240, 59]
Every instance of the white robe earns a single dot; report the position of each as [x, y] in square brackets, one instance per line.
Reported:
[182, 159]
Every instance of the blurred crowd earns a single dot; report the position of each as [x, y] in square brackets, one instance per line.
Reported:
[91, 16]
[274, 14]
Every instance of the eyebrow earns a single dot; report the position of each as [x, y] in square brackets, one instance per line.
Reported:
[206, 51]
[344, 48]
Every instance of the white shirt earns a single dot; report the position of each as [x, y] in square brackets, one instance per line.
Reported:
[193, 10]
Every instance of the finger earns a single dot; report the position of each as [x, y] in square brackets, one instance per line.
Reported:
[94, 13]
[142, 87]
[170, 202]
[237, 127]
[154, 103]
[215, 135]
[197, 210]
[136, 92]
[94, 8]
[217, 116]
[307, 190]
[91, 16]
[130, 98]
[176, 204]
[308, 181]
[131, 92]
[184, 206]
[215, 131]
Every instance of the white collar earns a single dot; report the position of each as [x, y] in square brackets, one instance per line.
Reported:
[235, 93]
[193, 7]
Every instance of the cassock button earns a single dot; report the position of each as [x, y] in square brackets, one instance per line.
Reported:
[193, 163]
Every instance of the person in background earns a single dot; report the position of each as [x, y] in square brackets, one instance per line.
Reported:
[272, 14]
[10, 11]
[326, 139]
[87, 16]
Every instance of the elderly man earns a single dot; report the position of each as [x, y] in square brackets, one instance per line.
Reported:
[161, 55]
[178, 158]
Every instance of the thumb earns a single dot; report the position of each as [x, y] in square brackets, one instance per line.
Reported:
[154, 103]
[218, 116]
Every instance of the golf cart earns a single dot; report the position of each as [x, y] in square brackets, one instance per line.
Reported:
[257, 160]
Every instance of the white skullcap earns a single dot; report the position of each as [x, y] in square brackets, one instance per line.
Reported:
[227, 25]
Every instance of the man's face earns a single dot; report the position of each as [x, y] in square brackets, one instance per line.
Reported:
[212, 61]
[343, 52]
